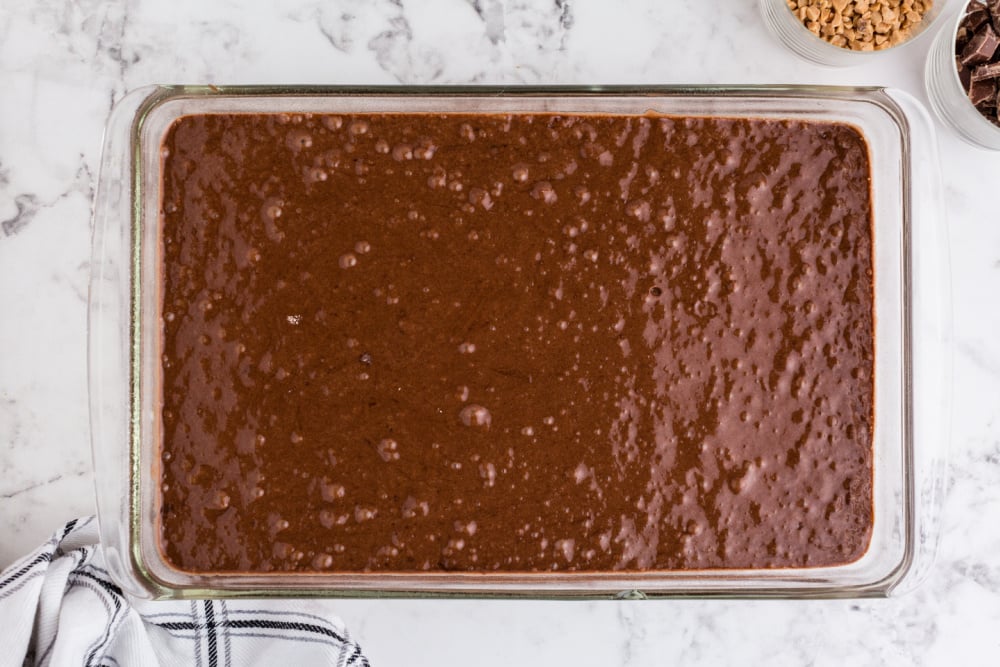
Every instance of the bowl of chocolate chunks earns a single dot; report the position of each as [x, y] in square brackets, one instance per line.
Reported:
[977, 56]
[963, 73]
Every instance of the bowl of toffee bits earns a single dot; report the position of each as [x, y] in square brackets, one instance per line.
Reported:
[963, 73]
[848, 32]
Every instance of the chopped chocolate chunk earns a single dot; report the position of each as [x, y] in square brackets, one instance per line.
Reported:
[982, 47]
[975, 19]
[980, 91]
[962, 38]
[964, 73]
[995, 13]
[990, 71]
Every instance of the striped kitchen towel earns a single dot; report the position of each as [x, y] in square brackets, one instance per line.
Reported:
[58, 606]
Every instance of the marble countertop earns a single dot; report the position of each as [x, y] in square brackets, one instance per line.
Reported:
[64, 63]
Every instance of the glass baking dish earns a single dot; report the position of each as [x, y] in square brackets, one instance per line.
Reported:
[912, 327]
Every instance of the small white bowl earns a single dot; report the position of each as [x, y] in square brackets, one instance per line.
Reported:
[796, 37]
[948, 96]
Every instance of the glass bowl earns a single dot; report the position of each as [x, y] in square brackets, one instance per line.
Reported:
[787, 27]
[947, 95]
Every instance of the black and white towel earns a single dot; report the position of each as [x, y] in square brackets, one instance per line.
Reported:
[58, 606]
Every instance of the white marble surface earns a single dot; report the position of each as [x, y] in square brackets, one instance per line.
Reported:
[63, 63]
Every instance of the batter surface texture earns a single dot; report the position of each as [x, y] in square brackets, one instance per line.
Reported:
[514, 343]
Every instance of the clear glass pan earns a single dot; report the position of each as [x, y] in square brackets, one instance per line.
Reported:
[912, 328]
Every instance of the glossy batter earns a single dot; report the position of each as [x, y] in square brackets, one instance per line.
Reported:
[515, 343]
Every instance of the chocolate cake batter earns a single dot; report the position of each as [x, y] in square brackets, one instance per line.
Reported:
[515, 343]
